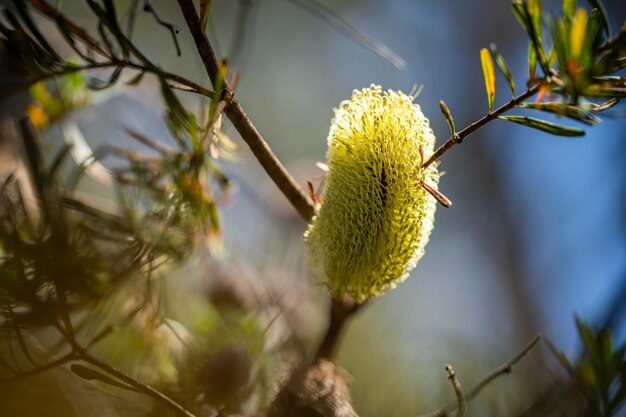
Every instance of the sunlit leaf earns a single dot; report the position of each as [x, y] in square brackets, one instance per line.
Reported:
[605, 90]
[562, 109]
[489, 75]
[604, 106]
[503, 67]
[569, 8]
[545, 126]
[446, 113]
[577, 33]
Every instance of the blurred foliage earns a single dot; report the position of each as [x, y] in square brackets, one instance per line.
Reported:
[598, 378]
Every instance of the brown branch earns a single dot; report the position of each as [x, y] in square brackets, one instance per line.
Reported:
[505, 368]
[259, 147]
[189, 85]
[138, 385]
[462, 134]
[340, 312]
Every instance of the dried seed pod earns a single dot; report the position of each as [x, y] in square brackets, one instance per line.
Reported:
[376, 218]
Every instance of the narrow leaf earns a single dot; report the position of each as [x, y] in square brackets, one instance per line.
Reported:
[489, 75]
[597, 4]
[205, 5]
[530, 14]
[577, 33]
[502, 66]
[90, 374]
[446, 113]
[519, 10]
[562, 109]
[604, 106]
[569, 8]
[532, 61]
[599, 91]
[545, 126]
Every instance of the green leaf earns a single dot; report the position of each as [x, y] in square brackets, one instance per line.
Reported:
[569, 8]
[545, 126]
[489, 75]
[503, 67]
[598, 91]
[529, 15]
[597, 4]
[205, 5]
[577, 33]
[562, 109]
[519, 10]
[592, 39]
[532, 61]
[446, 112]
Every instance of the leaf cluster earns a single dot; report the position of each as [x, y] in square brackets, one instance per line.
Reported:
[599, 376]
[574, 66]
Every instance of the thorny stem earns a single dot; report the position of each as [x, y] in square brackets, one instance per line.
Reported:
[505, 368]
[259, 147]
[462, 134]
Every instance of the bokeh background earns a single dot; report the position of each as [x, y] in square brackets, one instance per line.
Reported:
[536, 235]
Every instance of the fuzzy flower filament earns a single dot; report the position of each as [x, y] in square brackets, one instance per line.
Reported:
[376, 218]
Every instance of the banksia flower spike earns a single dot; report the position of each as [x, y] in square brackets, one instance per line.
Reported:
[377, 217]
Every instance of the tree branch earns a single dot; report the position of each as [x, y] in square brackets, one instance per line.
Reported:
[462, 134]
[340, 312]
[138, 385]
[505, 368]
[242, 123]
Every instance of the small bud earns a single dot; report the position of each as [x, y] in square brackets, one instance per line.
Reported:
[377, 217]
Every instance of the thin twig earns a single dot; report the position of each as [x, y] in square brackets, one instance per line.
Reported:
[329, 16]
[242, 123]
[138, 385]
[505, 368]
[40, 369]
[458, 390]
[173, 29]
[190, 86]
[462, 134]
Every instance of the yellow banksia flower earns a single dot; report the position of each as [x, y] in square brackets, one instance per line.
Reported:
[376, 217]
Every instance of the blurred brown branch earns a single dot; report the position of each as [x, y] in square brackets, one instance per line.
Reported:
[242, 123]
[505, 368]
